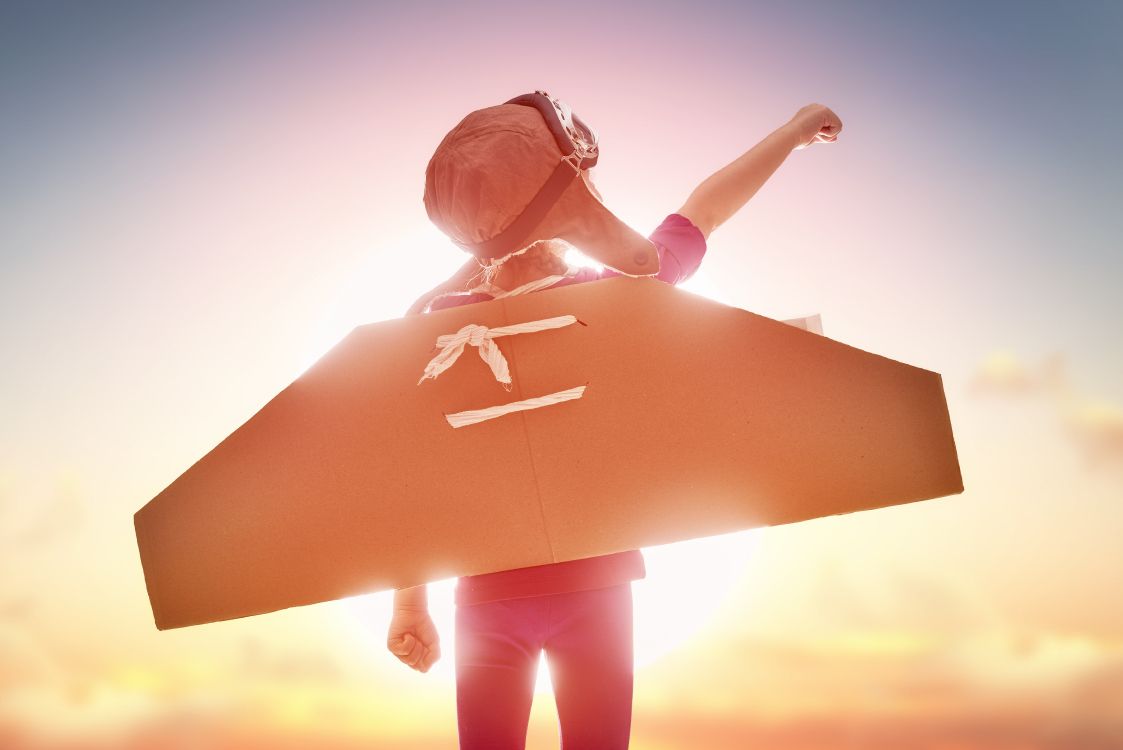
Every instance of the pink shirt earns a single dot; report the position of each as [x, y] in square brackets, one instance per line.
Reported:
[681, 246]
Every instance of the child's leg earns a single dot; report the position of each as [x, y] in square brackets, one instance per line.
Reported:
[589, 648]
[497, 648]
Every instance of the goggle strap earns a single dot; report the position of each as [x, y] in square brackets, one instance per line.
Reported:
[510, 239]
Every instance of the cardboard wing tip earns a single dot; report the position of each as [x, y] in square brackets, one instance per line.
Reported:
[145, 564]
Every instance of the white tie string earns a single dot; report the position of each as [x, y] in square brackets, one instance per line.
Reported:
[530, 286]
[496, 292]
[452, 346]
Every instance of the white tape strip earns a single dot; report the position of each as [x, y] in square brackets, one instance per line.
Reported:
[465, 418]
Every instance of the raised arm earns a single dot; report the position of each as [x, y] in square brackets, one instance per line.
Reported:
[723, 193]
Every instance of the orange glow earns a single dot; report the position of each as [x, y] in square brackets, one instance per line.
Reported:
[200, 202]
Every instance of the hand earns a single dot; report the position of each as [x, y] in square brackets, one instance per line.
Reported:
[413, 639]
[815, 124]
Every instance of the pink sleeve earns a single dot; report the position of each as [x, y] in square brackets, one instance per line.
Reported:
[680, 245]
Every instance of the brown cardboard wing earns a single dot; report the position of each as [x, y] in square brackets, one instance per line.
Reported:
[697, 419]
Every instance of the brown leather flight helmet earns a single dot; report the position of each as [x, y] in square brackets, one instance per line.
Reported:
[466, 200]
[578, 145]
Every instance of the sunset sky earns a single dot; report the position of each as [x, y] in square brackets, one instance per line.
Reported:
[198, 200]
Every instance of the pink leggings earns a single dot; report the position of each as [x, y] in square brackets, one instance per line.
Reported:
[587, 636]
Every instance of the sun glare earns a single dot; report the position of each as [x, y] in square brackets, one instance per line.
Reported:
[685, 586]
[394, 273]
[686, 582]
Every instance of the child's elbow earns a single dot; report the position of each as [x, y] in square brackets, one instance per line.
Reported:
[698, 218]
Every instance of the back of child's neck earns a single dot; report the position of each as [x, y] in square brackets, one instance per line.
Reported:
[520, 270]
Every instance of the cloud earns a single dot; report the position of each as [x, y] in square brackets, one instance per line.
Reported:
[1001, 372]
[1097, 428]
[46, 703]
[1094, 425]
[898, 596]
[1095, 706]
[985, 691]
[1031, 726]
[32, 517]
[262, 662]
[19, 609]
[23, 661]
[49, 715]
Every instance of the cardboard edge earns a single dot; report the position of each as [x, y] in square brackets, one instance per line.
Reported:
[951, 436]
[911, 501]
[145, 556]
[163, 622]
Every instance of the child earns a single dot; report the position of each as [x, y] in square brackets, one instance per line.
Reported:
[502, 185]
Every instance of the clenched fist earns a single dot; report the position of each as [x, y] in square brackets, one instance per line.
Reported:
[815, 124]
[413, 638]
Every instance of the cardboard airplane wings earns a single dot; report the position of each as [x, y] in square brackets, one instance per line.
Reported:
[683, 418]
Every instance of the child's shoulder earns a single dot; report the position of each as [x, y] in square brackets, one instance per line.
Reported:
[456, 300]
